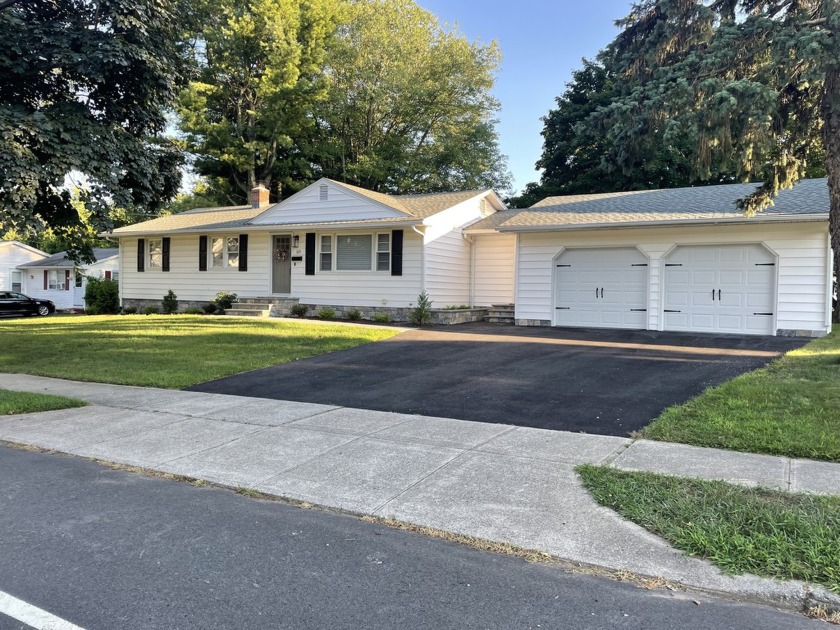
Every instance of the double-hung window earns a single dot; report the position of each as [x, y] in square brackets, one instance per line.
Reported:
[383, 252]
[55, 280]
[326, 253]
[17, 281]
[155, 253]
[224, 252]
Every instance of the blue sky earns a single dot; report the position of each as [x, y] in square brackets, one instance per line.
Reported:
[542, 41]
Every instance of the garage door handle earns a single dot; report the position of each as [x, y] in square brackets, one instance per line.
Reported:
[596, 292]
[602, 291]
[713, 295]
[718, 295]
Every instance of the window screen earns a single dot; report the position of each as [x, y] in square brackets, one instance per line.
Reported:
[353, 253]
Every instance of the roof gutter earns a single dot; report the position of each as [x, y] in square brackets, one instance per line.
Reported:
[804, 218]
[274, 227]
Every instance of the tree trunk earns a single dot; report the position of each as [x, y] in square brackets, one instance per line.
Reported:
[831, 139]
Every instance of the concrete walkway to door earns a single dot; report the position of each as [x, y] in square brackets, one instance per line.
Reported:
[489, 481]
[609, 382]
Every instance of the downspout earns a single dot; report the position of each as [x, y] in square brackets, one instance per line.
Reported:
[829, 264]
[422, 234]
[471, 241]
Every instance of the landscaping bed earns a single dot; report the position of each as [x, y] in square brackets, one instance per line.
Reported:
[741, 530]
[791, 408]
[172, 351]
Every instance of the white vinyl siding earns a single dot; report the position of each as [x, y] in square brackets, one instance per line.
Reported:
[187, 281]
[13, 254]
[494, 262]
[340, 204]
[802, 270]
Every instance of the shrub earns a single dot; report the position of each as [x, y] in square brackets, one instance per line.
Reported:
[382, 318]
[129, 310]
[326, 313]
[170, 303]
[210, 308]
[354, 314]
[225, 299]
[422, 313]
[152, 310]
[299, 310]
[193, 310]
[102, 296]
[453, 307]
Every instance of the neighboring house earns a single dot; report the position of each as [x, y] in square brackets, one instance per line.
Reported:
[59, 279]
[678, 260]
[13, 254]
[681, 260]
[329, 245]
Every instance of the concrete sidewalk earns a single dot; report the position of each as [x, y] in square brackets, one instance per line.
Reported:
[489, 481]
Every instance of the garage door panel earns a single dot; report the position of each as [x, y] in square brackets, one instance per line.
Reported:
[728, 285]
[600, 287]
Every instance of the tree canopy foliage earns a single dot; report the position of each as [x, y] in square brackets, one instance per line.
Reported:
[84, 91]
[375, 93]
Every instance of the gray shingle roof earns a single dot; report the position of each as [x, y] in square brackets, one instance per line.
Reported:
[60, 259]
[205, 218]
[698, 204]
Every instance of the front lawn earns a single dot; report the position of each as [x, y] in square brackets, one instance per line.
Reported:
[741, 530]
[791, 407]
[12, 403]
[171, 351]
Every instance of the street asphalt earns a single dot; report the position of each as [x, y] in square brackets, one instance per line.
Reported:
[607, 382]
[105, 549]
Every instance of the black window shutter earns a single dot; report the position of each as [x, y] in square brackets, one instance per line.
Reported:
[243, 252]
[310, 254]
[165, 264]
[202, 253]
[141, 254]
[396, 252]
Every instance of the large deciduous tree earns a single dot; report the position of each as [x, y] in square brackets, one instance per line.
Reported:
[261, 72]
[752, 85]
[84, 88]
[371, 92]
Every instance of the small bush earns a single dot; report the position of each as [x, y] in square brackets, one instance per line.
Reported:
[225, 300]
[299, 310]
[152, 310]
[453, 307]
[354, 314]
[170, 303]
[422, 313]
[193, 310]
[210, 308]
[129, 310]
[327, 313]
[102, 296]
[382, 318]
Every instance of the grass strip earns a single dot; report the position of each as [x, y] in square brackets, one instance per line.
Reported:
[13, 403]
[172, 351]
[741, 530]
[790, 408]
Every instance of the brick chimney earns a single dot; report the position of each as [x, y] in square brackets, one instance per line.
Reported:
[259, 196]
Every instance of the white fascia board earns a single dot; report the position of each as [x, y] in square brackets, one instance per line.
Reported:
[268, 227]
[803, 218]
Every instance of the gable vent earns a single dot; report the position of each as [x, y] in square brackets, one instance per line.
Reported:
[325, 192]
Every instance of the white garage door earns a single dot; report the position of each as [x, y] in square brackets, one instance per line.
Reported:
[727, 288]
[603, 288]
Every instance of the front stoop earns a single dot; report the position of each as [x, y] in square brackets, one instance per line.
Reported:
[262, 307]
[500, 314]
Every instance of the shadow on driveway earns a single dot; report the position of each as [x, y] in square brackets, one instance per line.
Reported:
[598, 381]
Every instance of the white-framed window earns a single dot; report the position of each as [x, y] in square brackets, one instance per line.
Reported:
[155, 253]
[224, 252]
[17, 281]
[55, 280]
[115, 276]
[79, 280]
[355, 252]
[326, 253]
[383, 251]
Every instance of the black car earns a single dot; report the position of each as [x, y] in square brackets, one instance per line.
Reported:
[19, 304]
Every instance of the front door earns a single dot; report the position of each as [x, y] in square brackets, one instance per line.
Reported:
[282, 257]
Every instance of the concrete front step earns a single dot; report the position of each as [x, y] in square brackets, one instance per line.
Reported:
[499, 320]
[500, 313]
[246, 312]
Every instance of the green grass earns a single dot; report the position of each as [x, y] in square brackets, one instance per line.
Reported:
[791, 407]
[741, 530]
[171, 351]
[12, 403]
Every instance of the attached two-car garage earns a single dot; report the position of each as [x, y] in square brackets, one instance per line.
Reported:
[704, 288]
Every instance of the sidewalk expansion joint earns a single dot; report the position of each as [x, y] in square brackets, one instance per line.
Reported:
[609, 459]
[416, 483]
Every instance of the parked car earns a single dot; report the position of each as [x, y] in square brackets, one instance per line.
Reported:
[19, 304]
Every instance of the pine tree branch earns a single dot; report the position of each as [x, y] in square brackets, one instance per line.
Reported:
[5, 4]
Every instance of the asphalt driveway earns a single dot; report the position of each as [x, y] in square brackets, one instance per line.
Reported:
[597, 381]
